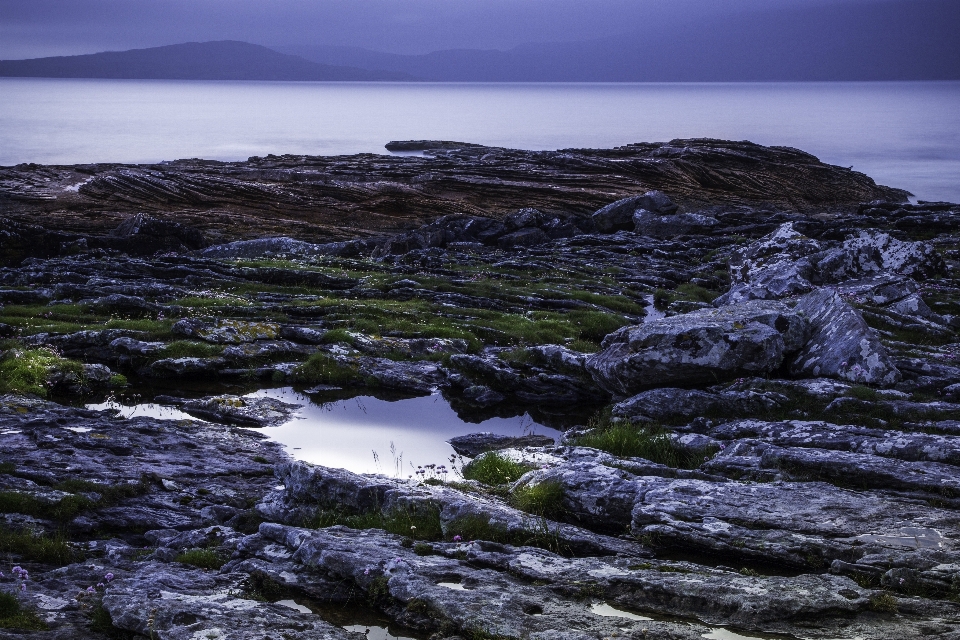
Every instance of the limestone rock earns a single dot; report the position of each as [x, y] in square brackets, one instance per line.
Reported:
[842, 345]
[698, 348]
[618, 216]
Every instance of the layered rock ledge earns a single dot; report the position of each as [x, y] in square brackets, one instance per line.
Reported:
[752, 356]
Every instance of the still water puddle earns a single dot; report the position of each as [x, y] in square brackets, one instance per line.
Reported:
[605, 610]
[910, 537]
[364, 434]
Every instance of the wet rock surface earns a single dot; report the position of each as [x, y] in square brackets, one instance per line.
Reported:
[754, 357]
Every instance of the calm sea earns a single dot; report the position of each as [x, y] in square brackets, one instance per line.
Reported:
[904, 134]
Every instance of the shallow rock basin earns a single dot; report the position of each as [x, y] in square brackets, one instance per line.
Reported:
[365, 434]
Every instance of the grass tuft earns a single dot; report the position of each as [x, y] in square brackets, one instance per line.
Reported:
[27, 370]
[13, 615]
[544, 499]
[494, 468]
[190, 349]
[651, 442]
[415, 524]
[36, 547]
[202, 558]
[322, 369]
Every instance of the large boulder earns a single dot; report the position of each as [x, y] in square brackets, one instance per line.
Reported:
[873, 251]
[145, 235]
[653, 225]
[842, 344]
[701, 347]
[618, 216]
[786, 263]
[775, 266]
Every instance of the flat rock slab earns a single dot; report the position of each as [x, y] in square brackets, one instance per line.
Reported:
[474, 444]
[239, 411]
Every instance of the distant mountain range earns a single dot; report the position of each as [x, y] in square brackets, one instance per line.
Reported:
[878, 40]
[224, 60]
[881, 40]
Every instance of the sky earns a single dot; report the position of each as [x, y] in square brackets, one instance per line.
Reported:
[37, 28]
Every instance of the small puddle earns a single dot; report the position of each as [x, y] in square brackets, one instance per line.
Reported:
[292, 604]
[653, 313]
[375, 633]
[604, 609]
[911, 537]
[364, 434]
[146, 409]
[456, 586]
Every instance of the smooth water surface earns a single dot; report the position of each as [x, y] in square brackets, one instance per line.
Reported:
[365, 434]
[902, 134]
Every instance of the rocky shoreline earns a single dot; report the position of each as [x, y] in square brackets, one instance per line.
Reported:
[753, 357]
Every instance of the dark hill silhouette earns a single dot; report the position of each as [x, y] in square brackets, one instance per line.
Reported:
[222, 60]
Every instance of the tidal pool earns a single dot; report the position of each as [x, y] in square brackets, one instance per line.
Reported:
[364, 434]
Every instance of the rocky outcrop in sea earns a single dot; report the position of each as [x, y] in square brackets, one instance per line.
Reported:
[751, 355]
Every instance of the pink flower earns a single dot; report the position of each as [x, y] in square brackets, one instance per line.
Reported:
[457, 538]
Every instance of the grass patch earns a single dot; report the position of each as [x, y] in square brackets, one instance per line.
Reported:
[883, 603]
[861, 392]
[202, 558]
[335, 336]
[190, 349]
[494, 468]
[27, 370]
[650, 441]
[68, 507]
[13, 615]
[36, 547]
[415, 524]
[543, 499]
[323, 369]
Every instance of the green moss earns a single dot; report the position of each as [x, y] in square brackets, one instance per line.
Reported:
[584, 346]
[494, 468]
[202, 558]
[863, 393]
[68, 507]
[190, 349]
[27, 370]
[338, 335]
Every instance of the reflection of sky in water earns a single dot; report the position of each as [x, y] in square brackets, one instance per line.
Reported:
[149, 409]
[345, 433]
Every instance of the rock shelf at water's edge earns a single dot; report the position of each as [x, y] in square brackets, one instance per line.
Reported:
[752, 355]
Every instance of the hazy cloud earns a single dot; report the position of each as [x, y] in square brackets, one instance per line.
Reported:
[32, 28]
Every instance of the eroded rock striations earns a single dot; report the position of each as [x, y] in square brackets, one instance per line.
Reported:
[752, 354]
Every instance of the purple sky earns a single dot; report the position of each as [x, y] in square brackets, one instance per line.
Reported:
[36, 28]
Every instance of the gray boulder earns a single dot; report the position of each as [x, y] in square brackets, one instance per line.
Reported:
[873, 251]
[653, 225]
[698, 348]
[618, 216]
[239, 411]
[842, 344]
[773, 267]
